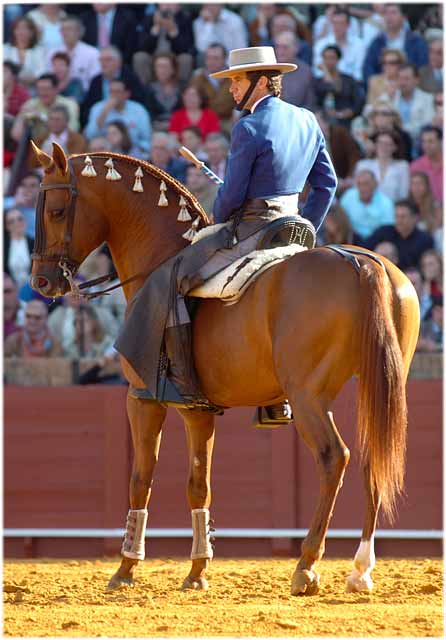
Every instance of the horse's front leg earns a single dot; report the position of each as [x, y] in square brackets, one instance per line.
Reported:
[319, 432]
[146, 420]
[200, 441]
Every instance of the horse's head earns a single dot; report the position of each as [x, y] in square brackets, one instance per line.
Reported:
[65, 235]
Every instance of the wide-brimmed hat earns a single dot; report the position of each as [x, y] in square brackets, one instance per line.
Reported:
[253, 59]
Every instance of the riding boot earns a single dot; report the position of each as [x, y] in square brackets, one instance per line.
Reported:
[181, 372]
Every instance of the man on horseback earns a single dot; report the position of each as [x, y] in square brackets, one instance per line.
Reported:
[275, 149]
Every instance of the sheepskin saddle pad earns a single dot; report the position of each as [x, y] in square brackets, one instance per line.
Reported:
[230, 283]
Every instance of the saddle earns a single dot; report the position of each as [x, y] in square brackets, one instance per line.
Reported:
[282, 239]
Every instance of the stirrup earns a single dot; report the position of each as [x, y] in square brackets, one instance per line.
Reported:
[264, 420]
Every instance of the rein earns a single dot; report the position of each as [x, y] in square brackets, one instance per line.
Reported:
[68, 265]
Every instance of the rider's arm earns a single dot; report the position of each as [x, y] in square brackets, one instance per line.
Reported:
[232, 193]
[323, 182]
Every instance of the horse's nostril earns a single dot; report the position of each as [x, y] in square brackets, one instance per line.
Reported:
[40, 283]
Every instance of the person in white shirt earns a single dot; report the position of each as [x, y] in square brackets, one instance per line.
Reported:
[416, 107]
[48, 18]
[323, 27]
[217, 24]
[391, 175]
[352, 47]
[84, 58]
[25, 50]
[18, 247]
[217, 149]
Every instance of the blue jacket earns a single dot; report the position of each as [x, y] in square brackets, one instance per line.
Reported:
[274, 151]
[415, 48]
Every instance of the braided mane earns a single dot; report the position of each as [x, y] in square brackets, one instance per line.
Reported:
[176, 185]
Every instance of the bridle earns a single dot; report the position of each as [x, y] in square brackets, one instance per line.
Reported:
[65, 262]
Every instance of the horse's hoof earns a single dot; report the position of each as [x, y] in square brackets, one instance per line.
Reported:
[358, 584]
[118, 582]
[304, 582]
[198, 584]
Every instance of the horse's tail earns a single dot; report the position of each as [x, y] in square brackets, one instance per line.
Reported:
[382, 411]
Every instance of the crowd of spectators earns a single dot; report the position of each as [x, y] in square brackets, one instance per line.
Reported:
[135, 79]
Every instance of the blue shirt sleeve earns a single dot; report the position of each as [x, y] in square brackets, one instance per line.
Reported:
[232, 193]
[323, 182]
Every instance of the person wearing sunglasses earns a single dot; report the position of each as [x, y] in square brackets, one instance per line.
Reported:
[386, 81]
[34, 339]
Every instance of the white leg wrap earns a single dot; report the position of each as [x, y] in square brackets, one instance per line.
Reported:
[133, 545]
[364, 562]
[201, 545]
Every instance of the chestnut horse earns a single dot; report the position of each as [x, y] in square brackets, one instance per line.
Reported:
[303, 329]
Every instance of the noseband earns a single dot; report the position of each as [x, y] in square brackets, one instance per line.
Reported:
[67, 264]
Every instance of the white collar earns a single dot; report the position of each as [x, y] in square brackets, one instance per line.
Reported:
[259, 100]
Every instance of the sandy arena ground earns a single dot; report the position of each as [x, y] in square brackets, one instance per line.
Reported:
[246, 598]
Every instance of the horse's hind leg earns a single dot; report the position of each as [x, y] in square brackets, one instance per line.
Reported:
[360, 579]
[316, 426]
[200, 441]
[146, 420]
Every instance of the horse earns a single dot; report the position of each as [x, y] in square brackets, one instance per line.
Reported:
[301, 330]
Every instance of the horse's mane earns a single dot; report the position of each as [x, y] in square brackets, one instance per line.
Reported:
[154, 171]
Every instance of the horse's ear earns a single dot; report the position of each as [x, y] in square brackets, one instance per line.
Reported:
[43, 158]
[60, 159]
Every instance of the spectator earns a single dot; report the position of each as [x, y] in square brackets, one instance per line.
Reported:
[13, 309]
[25, 51]
[48, 19]
[164, 146]
[415, 107]
[424, 298]
[297, 88]
[350, 47]
[194, 112]
[167, 29]
[119, 107]
[386, 82]
[62, 319]
[60, 132]
[191, 138]
[84, 58]
[163, 95]
[110, 59]
[25, 199]
[388, 250]
[217, 150]
[67, 86]
[283, 21]
[99, 143]
[17, 248]
[339, 94]
[203, 189]
[219, 98]
[110, 24]
[14, 93]
[34, 112]
[371, 21]
[431, 75]
[396, 35]
[391, 175]
[217, 24]
[366, 206]
[323, 25]
[34, 339]
[344, 151]
[383, 116]
[337, 228]
[437, 120]
[259, 27]
[410, 241]
[90, 339]
[431, 334]
[431, 267]
[431, 162]
[119, 139]
[421, 196]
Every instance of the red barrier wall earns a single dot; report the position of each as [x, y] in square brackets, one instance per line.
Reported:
[68, 458]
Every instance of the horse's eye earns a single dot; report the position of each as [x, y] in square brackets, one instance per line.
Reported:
[57, 214]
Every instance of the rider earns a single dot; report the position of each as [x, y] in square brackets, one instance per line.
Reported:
[275, 149]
